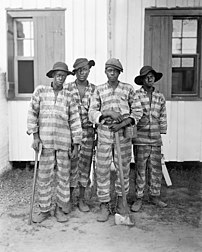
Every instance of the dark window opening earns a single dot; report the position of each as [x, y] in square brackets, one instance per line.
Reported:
[25, 76]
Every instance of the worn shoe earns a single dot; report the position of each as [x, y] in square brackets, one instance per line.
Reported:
[38, 218]
[68, 208]
[104, 213]
[83, 207]
[60, 215]
[156, 201]
[136, 205]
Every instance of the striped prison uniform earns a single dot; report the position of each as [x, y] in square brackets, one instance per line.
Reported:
[80, 167]
[147, 145]
[121, 100]
[56, 119]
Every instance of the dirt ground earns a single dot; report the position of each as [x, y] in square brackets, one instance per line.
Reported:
[175, 228]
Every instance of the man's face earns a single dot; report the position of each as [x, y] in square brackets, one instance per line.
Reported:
[82, 73]
[112, 74]
[59, 78]
[149, 80]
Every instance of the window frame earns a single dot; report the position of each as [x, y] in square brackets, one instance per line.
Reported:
[20, 58]
[177, 13]
[51, 20]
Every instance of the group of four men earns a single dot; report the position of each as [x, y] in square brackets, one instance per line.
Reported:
[63, 117]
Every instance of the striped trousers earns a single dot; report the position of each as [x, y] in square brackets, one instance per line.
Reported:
[80, 167]
[49, 158]
[148, 159]
[105, 152]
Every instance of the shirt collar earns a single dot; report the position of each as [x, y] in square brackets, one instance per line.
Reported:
[54, 89]
[145, 91]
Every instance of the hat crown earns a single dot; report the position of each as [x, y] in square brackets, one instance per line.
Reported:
[60, 66]
[113, 62]
[80, 61]
[145, 70]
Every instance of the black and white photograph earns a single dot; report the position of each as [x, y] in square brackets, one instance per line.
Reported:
[101, 126]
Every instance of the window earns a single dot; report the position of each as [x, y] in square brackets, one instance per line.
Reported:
[24, 56]
[173, 46]
[184, 57]
[35, 39]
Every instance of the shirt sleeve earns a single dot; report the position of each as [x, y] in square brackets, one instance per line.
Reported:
[33, 112]
[75, 122]
[163, 116]
[94, 112]
[136, 107]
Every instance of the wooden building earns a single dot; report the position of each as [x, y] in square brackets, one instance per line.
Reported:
[163, 33]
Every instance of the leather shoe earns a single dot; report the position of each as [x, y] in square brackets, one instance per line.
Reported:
[83, 207]
[68, 208]
[156, 201]
[38, 218]
[104, 213]
[60, 215]
[136, 205]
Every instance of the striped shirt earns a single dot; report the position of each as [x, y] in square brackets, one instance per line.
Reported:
[154, 120]
[122, 100]
[55, 118]
[84, 103]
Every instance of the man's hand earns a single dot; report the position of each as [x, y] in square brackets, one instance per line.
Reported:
[116, 116]
[75, 151]
[116, 127]
[35, 144]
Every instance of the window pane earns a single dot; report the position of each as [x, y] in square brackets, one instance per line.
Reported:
[187, 62]
[25, 39]
[189, 45]
[25, 48]
[177, 28]
[176, 62]
[183, 82]
[189, 28]
[176, 46]
[25, 29]
[25, 76]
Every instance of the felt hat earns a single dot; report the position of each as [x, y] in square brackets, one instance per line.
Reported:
[58, 66]
[82, 62]
[115, 63]
[144, 71]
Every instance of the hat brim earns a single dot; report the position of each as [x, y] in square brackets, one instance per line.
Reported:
[116, 67]
[139, 79]
[50, 73]
[90, 63]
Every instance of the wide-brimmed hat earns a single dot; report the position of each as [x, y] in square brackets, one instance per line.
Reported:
[58, 66]
[82, 62]
[115, 63]
[144, 71]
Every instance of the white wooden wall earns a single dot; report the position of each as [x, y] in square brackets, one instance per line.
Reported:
[183, 141]
[97, 29]
[85, 36]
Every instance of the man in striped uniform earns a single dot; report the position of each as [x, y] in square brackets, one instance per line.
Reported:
[54, 121]
[82, 91]
[113, 106]
[147, 145]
